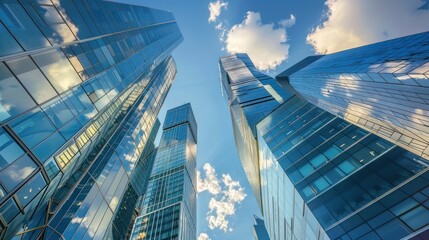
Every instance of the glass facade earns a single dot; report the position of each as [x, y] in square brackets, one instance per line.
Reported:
[259, 230]
[382, 88]
[81, 85]
[322, 177]
[168, 208]
[251, 95]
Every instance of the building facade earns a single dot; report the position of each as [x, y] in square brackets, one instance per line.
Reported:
[322, 177]
[82, 83]
[169, 204]
[259, 230]
[383, 88]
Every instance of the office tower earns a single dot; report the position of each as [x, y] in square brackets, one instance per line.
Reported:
[324, 178]
[251, 96]
[169, 204]
[81, 85]
[383, 88]
[259, 230]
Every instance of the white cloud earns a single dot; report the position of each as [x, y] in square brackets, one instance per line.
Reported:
[210, 182]
[215, 9]
[352, 23]
[265, 44]
[226, 192]
[203, 236]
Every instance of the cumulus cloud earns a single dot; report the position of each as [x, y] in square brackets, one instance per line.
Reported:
[203, 236]
[226, 192]
[210, 182]
[265, 44]
[215, 9]
[352, 23]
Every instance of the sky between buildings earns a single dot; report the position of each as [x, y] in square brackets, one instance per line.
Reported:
[276, 34]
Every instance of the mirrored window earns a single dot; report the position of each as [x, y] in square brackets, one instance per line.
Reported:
[33, 127]
[21, 26]
[8, 45]
[58, 112]
[32, 79]
[31, 189]
[16, 172]
[45, 149]
[57, 69]
[9, 149]
[9, 210]
[10, 88]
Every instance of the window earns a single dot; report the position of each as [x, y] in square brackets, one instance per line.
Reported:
[33, 127]
[44, 150]
[8, 45]
[31, 189]
[16, 172]
[9, 149]
[10, 88]
[58, 112]
[22, 27]
[32, 79]
[57, 69]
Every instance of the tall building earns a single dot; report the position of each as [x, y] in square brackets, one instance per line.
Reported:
[383, 88]
[251, 95]
[81, 86]
[169, 204]
[322, 177]
[259, 230]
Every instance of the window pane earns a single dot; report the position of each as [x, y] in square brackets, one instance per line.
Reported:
[58, 112]
[21, 26]
[416, 218]
[17, 171]
[10, 88]
[31, 189]
[51, 168]
[49, 146]
[57, 69]
[8, 45]
[71, 128]
[9, 210]
[32, 79]
[9, 149]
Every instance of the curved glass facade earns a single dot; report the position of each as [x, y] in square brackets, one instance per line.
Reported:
[91, 77]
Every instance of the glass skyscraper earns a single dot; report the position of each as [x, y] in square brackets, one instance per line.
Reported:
[81, 86]
[168, 208]
[322, 177]
[383, 88]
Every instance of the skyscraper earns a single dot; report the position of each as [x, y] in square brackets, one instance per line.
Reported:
[259, 230]
[169, 204]
[383, 88]
[81, 85]
[322, 177]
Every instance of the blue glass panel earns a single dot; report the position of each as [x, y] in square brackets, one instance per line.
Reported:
[58, 112]
[45, 149]
[10, 88]
[9, 149]
[12, 175]
[21, 26]
[33, 127]
[394, 229]
[32, 79]
[57, 69]
[9, 210]
[8, 45]
[416, 218]
[31, 189]
[51, 168]
[70, 129]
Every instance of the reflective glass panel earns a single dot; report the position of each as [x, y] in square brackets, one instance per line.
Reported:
[17, 171]
[57, 69]
[33, 127]
[45, 149]
[9, 149]
[31, 189]
[32, 79]
[58, 112]
[8, 45]
[10, 88]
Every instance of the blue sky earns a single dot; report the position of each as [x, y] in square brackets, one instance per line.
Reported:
[282, 30]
